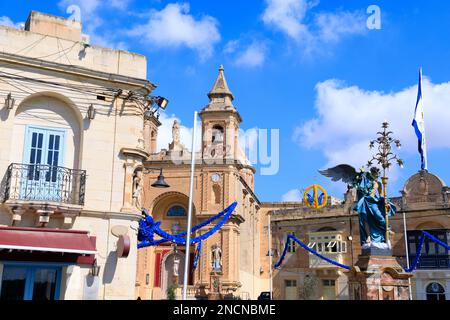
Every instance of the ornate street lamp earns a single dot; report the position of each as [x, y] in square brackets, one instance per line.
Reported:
[160, 182]
[385, 158]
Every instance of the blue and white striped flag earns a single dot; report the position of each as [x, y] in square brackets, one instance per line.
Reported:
[419, 125]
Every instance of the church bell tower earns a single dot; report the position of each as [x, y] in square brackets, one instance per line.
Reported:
[220, 124]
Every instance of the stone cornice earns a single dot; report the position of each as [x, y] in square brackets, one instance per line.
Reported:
[155, 121]
[77, 71]
[220, 112]
[111, 215]
[140, 153]
[249, 189]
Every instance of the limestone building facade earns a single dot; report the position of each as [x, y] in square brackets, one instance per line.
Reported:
[334, 232]
[222, 176]
[71, 143]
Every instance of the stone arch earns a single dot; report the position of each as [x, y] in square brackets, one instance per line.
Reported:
[435, 290]
[217, 134]
[164, 202]
[429, 225]
[51, 109]
[166, 268]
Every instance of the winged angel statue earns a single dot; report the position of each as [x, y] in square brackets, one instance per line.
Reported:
[370, 204]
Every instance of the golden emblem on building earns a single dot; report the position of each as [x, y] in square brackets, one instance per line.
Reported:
[318, 199]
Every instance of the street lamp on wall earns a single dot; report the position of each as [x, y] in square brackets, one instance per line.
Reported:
[95, 269]
[91, 112]
[9, 101]
[160, 181]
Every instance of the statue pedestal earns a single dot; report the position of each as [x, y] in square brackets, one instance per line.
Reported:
[215, 292]
[378, 277]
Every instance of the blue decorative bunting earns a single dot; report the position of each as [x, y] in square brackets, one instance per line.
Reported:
[198, 254]
[148, 228]
[304, 246]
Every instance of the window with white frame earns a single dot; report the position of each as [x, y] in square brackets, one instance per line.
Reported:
[327, 242]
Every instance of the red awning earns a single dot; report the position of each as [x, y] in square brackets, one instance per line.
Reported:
[48, 240]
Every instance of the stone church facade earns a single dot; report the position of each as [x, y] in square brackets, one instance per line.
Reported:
[222, 176]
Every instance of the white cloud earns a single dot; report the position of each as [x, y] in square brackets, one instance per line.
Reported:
[333, 26]
[248, 55]
[174, 27]
[313, 34]
[292, 196]
[348, 117]
[6, 21]
[89, 8]
[89, 14]
[287, 16]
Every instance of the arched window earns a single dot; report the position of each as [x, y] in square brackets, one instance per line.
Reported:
[435, 291]
[176, 211]
[217, 134]
[217, 194]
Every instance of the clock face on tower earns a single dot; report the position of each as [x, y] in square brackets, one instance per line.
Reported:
[215, 177]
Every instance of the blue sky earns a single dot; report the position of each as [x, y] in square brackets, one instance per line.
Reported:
[311, 69]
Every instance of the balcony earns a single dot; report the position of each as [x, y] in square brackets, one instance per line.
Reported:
[44, 183]
[316, 262]
[430, 262]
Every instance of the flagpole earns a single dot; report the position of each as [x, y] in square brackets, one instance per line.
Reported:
[270, 259]
[189, 223]
[407, 253]
[419, 125]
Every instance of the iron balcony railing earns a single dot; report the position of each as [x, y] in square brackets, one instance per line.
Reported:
[41, 182]
[432, 262]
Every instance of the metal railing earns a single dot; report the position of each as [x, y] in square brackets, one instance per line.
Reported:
[41, 182]
[432, 261]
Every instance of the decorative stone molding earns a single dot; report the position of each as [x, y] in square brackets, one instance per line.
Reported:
[134, 153]
[43, 217]
[17, 215]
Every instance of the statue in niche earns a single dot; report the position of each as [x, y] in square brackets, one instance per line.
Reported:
[137, 188]
[216, 258]
[176, 265]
